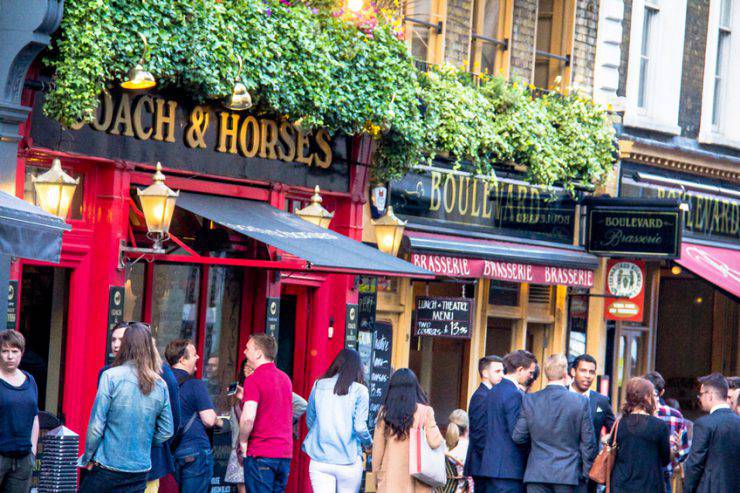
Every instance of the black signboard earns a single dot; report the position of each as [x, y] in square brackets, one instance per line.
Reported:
[350, 326]
[272, 317]
[12, 304]
[380, 367]
[440, 198]
[635, 229]
[367, 301]
[443, 317]
[115, 316]
[204, 139]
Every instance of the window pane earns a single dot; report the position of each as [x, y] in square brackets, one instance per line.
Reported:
[174, 303]
[222, 333]
[723, 44]
[420, 35]
[503, 293]
[725, 15]
[134, 294]
[647, 28]
[489, 24]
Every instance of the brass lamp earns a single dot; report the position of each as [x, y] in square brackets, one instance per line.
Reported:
[158, 205]
[389, 232]
[138, 78]
[315, 212]
[240, 99]
[55, 189]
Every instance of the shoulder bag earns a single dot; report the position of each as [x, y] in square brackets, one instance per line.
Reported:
[601, 469]
[425, 463]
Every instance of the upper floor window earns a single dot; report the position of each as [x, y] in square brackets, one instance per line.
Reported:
[721, 102]
[654, 67]
[489, 42]
[554, 42]
[425, 30]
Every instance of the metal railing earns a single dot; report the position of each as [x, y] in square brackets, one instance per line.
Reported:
[438, 26]
[501, 43]
[563, 58]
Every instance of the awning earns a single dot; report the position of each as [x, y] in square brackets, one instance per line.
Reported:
[324, 249]
[28, 232]
[456, 256]
[720, 266]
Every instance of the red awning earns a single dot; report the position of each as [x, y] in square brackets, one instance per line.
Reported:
[720, 266]
[455, 256]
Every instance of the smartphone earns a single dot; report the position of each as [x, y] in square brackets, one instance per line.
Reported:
[232, 388]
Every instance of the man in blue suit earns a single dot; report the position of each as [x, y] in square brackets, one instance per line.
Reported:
[583, 373]
[491, 371]
[503, 461]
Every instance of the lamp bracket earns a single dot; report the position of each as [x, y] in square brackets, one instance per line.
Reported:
[124, 262]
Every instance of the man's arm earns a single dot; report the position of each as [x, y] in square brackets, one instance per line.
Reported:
[609, 417]
[98, 421]
[35, 435]
[696, 462]
[246, 423]
[587, 445]
[203, 404]
[520, 434]
[299, 406]
[478, 421]
[165, 427]
[512, 407]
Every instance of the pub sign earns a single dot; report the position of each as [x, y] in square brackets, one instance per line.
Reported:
[443, 317]
[625, 290]
[634, 228]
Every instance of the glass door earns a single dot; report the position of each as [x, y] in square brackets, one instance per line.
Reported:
[630, 359]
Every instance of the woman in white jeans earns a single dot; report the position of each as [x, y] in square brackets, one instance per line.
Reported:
[337, 426]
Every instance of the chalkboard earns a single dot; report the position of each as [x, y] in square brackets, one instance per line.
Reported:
[443, 317]
[367, 301]
[380, 368]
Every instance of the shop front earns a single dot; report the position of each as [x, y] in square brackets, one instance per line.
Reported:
[237, 258]
[507, 265]
[691, 320]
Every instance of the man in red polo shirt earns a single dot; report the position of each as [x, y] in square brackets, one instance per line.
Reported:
[266, 424]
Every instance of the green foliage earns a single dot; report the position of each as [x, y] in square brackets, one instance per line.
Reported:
[308, 65]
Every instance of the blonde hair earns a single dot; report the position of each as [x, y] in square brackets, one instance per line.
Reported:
[458, 425]
[555, 366]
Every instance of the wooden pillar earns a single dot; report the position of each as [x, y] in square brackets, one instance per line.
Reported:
[402, 333]
[596, 330]
[519, 337]
[560, 327]
[478, 338]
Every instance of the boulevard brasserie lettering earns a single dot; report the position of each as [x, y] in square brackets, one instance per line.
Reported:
[632, 231]
[708, 215]
[150, 117]
[462, 201]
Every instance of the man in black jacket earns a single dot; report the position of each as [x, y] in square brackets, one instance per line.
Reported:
[713, 465]
[491, 371]
[558, 425]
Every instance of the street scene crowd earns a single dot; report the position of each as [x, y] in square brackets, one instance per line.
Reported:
[148, 429]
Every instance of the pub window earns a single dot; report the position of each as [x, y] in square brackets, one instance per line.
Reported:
[724, 30]
[553, 43]
[425, 31]
[489, 41]
[646, 50]
[503, 293]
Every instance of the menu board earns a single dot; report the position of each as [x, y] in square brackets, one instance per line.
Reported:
[375, 351]
[367, 301]
[443, 317]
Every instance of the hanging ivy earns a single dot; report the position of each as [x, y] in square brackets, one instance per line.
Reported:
[347, 72]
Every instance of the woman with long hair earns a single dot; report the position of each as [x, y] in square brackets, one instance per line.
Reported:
[131, 412]
[405, 406]
[337, 426]
[643, 443]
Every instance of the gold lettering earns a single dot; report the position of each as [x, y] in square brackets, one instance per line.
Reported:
[269, 139]
[487, 211]
[302, 145]
[161, 118]
[123, 117]
[474, 201]
[534, 206]
[322, 140]
[699, 214]
[714, 225]
[449, 201]
[287, 136]
[106, 111]
[228, 131]
[250, 128]
[139, 130]
[734, 219]
[521, 215]
[464, 192]
[195, 132]
[435, 197]
[507, 210]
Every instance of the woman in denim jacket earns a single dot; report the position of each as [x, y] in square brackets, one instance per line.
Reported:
[337, 426]
[130, 414]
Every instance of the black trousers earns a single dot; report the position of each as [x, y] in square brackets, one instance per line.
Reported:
[101, 480]
[551, 488]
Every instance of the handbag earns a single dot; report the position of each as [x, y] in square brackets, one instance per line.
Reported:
[601, 469]
[425, 463]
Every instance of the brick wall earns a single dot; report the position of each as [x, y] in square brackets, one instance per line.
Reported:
[626, 27]
[584, 45]
[522, 43]
[692, 77]
[457, 32]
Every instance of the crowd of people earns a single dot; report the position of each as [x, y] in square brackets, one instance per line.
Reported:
[149, 427]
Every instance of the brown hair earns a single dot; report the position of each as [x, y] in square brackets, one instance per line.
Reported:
[176, 349]
[267, 344]
[13, 338]
[717, 382]
[518, 358]
[137, 346]
[639, 394]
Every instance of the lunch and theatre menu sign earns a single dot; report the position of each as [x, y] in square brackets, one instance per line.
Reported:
[443, 317]
[448, 266]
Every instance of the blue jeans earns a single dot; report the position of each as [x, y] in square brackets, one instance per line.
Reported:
[101, 480]
[265, 475]
[194, 470]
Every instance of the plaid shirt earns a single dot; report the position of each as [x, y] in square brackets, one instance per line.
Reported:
[677, 426]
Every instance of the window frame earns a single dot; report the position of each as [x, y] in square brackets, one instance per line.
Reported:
[438, 24]
[503, 38]
[562, 35]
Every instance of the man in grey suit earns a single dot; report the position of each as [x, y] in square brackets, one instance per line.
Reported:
[558, 425]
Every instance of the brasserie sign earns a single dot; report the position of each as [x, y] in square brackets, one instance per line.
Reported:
[436, 197]
[200, 137]
[634, 231]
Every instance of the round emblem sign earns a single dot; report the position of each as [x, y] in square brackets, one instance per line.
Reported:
[625, 280]
[117, 298]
